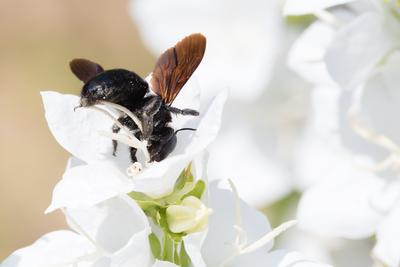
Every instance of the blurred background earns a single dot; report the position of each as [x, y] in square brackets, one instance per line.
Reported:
[38, 39]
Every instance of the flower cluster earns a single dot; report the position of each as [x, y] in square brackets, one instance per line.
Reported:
[164, 214]
[349, 157]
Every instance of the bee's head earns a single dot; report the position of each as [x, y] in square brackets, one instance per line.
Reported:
[92, 92]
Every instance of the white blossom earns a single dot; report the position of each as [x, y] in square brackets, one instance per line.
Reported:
[104, 176]
[238, 235]
[112, 233]
[349, 156]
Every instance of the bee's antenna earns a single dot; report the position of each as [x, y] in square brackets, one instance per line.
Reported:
[184, 129]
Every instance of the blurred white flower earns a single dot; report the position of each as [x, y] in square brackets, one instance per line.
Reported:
[242, 39]
[344, 197]
[307, 54]
[349, 158]
[333, 177]
[348, 59]
[303, 7]
[104, 175]
[361, 45]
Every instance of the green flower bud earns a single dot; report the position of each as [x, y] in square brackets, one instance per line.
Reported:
[189, 217]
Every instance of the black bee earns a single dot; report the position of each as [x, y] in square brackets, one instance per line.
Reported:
[151, 105]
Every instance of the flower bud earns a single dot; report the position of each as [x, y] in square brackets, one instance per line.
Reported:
[189, 217]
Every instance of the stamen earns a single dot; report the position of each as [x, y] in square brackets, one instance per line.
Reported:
[126, 111]
[268, 237]
[117, 122]
[328, 18]
[241, 236]
[128, 138]
[125, 139]
[240, 244]
[393, 159]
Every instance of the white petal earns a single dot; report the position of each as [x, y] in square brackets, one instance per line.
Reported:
[320, 150]
[87, 185]
[295, 259]
[348, 59]
[388, 239]
[137, 252]
[278, 258]
[306, 56]
[112, 225]
[159, 178]
[74, 162]
[220, 240]
[258, 257]
[380, 99]
[59, 248]
[188, 97]
[342, 207]
[209, 125]
[303, 7]
[79, 131]
[193, 244]
[163, 264]
[249, 32]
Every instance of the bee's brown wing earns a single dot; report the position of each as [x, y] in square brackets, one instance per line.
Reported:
[85, 69]
[175, 66]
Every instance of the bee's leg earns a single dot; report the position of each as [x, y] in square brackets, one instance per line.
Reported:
[115, 129]
[185, 111]
[132, 151]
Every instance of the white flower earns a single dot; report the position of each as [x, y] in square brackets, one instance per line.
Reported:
[338, 191]
[359, 46]
[388, 238]
[116, 233]
[344, 197]
[102, 176]
[349, 159]
[307, 54]
[242, 39]
[348, 59]
[303, 7]
[112, 233]
[238, 235]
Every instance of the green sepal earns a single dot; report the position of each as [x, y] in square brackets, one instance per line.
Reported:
[197, 190]
[168, 249]
[184, 257]
[155, 246]
[145, 201]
